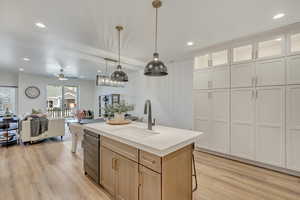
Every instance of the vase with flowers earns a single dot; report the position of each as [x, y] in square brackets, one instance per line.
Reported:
[118, 110]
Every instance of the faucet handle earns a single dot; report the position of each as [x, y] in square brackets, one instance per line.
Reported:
[154, 122]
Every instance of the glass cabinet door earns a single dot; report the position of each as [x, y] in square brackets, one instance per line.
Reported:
[295, 43]
[201, 61]
[242, 53]
[270, 48]
[219, 58]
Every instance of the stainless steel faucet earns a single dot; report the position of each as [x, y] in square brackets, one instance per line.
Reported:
[149, 112]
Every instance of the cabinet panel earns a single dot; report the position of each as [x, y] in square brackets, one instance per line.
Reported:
[295, 43]
[242, 123]
[221, 77]
[293, 70]
[203, 126]
[293, 128]
[270, 72]
[219, 135]
[219, 58]
[126, 179]
[271, 48]
[201, 105]
[201, 61]
[150, 184]
[107, 175]
[270, 109]
[202, 79]
[242, 53]
[242, 74]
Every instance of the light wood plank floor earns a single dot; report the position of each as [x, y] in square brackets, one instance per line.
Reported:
[49, 171]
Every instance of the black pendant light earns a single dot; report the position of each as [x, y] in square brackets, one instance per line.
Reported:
[156, 67]
[119, 75]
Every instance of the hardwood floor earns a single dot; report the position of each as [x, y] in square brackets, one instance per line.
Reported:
[49, 170]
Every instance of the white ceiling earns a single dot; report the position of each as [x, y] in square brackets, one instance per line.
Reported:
[80, 32]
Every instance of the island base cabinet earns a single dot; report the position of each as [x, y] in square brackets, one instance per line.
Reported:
[119, 176]
[107, 173]
[150, 177]
[150, 184]
[177, 175]
[126, 179]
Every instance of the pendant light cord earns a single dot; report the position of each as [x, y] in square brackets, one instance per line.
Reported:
[119, 47]
[156, 27]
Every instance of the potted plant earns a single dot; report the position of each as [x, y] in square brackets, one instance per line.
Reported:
[118, 110]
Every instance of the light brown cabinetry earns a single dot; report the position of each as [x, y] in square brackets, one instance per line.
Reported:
[126, 179]
[131, 174]
[107, 174]
[150, 184]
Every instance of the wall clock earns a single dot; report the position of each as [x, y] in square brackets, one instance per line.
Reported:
[32, 92]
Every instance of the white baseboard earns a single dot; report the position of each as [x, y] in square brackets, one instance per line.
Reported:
[251, 162]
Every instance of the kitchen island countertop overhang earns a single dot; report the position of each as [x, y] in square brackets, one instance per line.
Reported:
[161, 141]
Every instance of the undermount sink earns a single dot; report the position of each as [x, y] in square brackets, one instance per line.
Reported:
[135, 132]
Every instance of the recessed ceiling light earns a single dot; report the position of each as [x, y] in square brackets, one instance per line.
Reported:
[99, 71]
[190, 43]
[21, 69]
[278, 16]
[278, 39]
[26, 59]
[40, 25]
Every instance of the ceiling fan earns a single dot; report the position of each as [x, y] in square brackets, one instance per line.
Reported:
[62, 77]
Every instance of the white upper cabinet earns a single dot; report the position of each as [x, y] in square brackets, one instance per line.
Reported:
[293, 127]
[242, 75]
[293, 70]
[202, 61]
[270, 72]
[242, 53]
[270, 119]
[219, 58]
[295, 43]
[270, 48]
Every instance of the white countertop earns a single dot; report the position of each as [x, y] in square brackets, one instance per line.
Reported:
[161, 141]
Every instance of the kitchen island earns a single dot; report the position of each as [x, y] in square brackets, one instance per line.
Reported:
[139, 164]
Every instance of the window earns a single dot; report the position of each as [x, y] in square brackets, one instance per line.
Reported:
[62, 101]
[7, 100]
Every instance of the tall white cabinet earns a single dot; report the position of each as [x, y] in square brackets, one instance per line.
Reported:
[247, 101]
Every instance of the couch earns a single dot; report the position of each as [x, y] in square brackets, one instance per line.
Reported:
[56, 128]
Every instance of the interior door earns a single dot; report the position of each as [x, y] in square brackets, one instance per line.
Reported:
[219, 137]
[293, 70]
[293, 127]
[242, 123]
[270, 72]
[107, 173]
[242, 75]
[270, 118]
[202, 115]
[150, 184]
[202, 79]
[221, 77]
[127, 175]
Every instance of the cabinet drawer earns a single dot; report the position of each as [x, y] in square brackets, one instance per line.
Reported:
[120, 148]
[151, 161]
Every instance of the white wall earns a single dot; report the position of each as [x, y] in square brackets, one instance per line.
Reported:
[171, 96]
[86, 90]
[8, 78]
